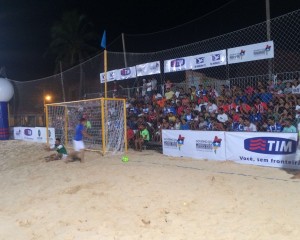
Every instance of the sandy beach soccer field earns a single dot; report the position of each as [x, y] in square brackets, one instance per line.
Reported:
[150, 197]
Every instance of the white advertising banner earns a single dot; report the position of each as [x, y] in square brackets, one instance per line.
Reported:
[111, 76]
[296, 90]
[148, 69]
[178, 64]
[194, 144]
[264, 149]
[41, 136]
[32, 134]
[251, 52]
[208, 60]
[126, 73]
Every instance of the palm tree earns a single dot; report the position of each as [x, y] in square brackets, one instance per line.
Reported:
[72, 40]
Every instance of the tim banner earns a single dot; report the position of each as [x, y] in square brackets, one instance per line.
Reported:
[207, 60]
[264, 149]
[177, 64]
[148, 69]
[253, 52]
[127, 73]
[194, 144]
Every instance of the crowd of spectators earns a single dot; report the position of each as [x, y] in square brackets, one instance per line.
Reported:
[264, 106]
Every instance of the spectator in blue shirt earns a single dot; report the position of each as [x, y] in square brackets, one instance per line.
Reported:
[273, 126]
[184, 125]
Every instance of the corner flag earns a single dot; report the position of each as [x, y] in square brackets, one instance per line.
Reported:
[103, 41]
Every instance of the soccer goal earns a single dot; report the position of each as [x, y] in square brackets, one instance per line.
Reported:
[106, 123]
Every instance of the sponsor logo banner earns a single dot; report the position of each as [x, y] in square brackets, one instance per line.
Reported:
[148, 69]
[126, 73]
[177, 64]
[32, 134]
[253, 52]
[210, 145]
[111, 76]
[265, 149]
[207, 60]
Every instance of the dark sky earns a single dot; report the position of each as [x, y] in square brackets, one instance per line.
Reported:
[25, 25]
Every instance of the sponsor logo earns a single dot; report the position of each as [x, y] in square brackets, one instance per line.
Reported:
[154, 66]
[270, 145]
[180, 141]
[216, 144]
[238, 55]
[177, 62]
[216, 59]
[18, 132]
[170, 143]
[28, 132]
[209, 145]
[200, 60]
[125, 71]
[262, 51]
[111, 75]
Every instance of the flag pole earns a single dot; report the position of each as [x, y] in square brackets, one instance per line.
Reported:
[105, 73]
[103, 45]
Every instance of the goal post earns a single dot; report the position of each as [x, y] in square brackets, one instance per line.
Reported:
[106, 123]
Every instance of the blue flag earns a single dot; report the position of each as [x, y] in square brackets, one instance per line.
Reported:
[103, 41]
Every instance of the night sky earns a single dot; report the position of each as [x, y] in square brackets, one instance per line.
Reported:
[25, 26]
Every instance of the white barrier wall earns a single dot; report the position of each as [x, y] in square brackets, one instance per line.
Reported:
[34, 134]
[256, 148]
[195, 144]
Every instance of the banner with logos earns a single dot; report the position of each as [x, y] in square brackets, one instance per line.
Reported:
[296, 90]
[264, 149]
[207, 60]
[194, 144]
[148, 69]
[253, 52]
[178, 64]
[112, 75]
[126, 73]
[34, 134]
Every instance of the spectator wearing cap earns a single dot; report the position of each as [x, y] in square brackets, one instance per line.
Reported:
[288, 127]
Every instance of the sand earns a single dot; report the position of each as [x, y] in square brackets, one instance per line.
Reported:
[150, 197]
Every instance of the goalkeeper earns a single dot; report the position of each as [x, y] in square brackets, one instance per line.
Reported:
[60, 149]
[78, 144]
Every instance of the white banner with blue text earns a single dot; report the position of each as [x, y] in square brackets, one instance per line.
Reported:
[194, 144]
[253, 52]
[264, 149]
[207, 60]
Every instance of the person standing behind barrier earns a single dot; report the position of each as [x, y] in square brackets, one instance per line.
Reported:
[78, 144]
[289, 128]
[142, 138]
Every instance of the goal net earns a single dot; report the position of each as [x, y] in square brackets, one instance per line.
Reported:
[106, 123]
